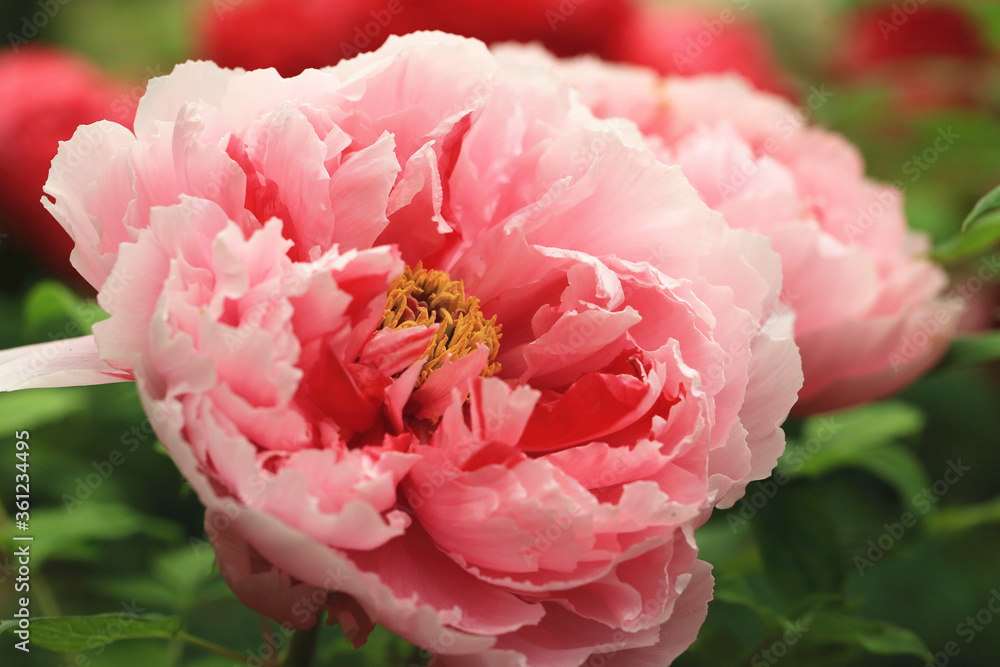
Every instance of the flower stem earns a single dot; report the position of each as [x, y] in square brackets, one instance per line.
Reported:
[219, 650]
[303, 647]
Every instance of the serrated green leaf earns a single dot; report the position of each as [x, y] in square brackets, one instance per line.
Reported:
[875, 637]
[86, 633]
[798, 542]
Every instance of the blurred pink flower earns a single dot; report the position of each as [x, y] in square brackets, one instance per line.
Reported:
[870, 311]
[46, 94]
[436, 348]
[693, 38]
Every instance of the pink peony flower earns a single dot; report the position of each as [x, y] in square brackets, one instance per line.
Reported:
[435, 347]
[870, 312]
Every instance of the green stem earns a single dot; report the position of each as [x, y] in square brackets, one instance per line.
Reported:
[266, 634]
[46, 598]
[220, 650]
[303, 647]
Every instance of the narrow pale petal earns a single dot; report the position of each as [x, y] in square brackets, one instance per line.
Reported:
[62, 363]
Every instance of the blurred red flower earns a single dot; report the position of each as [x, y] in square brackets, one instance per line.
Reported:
[46, 95]
[934, 55]
[292, 35]
[564, 27]
[694, 39]
[887, 33]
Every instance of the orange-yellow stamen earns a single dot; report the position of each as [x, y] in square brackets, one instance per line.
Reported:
[422, 297]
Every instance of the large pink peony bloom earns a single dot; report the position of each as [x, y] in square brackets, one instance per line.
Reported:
[436, 348]
[869, 307]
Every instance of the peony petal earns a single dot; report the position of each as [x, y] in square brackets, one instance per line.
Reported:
[62, 363]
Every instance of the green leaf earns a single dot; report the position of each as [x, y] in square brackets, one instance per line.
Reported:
[70, 535]
[798, 542]
[875, 637]
[846, 438]
[899, 468]
[971, 351]
[863, 438]
[963, 518]
[183, 579]
[754, 593]
[26, 410]
[86, 633]
[980, 231]
[975, 241]
[49, 301]
[986, 206]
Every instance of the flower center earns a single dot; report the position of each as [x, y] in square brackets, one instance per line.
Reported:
[421, 297]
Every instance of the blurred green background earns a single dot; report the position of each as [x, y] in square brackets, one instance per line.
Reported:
[826, 552]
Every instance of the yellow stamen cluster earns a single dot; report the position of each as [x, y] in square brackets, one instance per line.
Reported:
[421, 297]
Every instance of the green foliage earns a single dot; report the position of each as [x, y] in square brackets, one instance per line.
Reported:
[383, 648]
[980, 231]
[27, 410]
[875, 637]
[181, 580]
[133, 39]
[977, 239]
[965, 518]
[76, 534]
[865, 438]
[50, 302]
[970, 351]
[806, 560]
[87, 633]
[984, 209]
